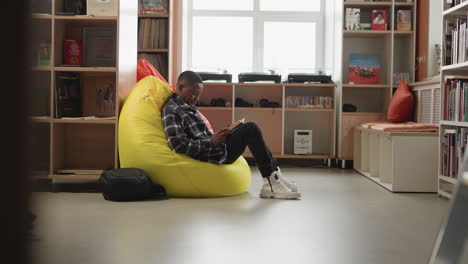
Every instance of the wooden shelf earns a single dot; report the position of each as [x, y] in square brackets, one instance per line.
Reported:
[85, 121]
[41, 68]
[85, 69]
[381, 86]
[258, 84]
[459, 9]
[364, 4]
[397, 32]
[40, 119]
[399, 4]
[366, 33]
[456, 67]
[330, 85]
[86, 18]
[361, 114]
[74, 176]
[41, 16]
[307, 110]
[293, 156]
[453, 123]
[259, 108]
[154, 16]
[218, 84]
[448, 179]
[153, 50]
[209, 108]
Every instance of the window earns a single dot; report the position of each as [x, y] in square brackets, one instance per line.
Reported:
[253, 35]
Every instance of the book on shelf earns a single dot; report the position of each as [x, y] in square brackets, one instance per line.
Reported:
[455, 99]
[379, 19]
[67, 95]
[364, 69]
[403, 20]
[152, 7]
[456, 43]
[400, 76]
[453, 149]
[353, 18]
[153, 33]
[102, 7]
[309, 102]
[72, 52]
[105, 97]
[447, 47]
[99, 47]
[43, 54]
[159, 61]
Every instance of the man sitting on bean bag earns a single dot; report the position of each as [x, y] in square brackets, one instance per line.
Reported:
[188, 134]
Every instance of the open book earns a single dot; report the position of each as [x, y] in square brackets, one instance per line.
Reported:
[235, 125]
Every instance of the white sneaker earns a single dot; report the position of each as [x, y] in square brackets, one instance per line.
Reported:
[274, 188]
[291, 184]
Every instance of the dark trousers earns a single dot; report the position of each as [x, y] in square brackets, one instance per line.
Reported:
[249, 134]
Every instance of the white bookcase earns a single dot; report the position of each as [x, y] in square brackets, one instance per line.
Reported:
[446, 185]
[397, 52]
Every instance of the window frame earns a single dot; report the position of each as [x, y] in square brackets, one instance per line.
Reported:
[259, 18]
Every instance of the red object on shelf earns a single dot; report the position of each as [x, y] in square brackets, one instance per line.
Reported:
[72, 52]
[379, 19]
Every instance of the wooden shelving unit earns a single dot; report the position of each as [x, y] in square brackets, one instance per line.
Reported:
[396, 50]
[279, 123]
[447, 185]
[163, 51]
[80, 144]
[364, 4]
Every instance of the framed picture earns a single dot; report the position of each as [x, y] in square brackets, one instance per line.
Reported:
[379, 19]
[404, 20]
[364, 69]
[99, 47]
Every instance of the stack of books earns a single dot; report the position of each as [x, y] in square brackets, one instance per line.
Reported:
[311, 102]
[453, 149]
[456, 40]
[456, 100]
[152, 33]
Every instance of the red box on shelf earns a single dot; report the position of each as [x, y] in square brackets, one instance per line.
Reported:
[73, 52]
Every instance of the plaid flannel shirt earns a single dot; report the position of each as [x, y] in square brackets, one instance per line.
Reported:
[187, 132]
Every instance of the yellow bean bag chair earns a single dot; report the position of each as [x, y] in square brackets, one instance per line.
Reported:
[143, 144]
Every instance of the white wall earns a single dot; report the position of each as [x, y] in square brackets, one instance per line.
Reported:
[435, 35]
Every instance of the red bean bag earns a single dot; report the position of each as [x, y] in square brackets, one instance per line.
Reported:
[401, 107]
[145, 68]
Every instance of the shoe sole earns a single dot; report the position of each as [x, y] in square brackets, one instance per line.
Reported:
[285, 196]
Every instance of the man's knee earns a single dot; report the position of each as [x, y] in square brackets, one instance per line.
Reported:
[252, 127]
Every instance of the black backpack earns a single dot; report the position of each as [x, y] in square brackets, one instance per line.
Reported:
[129, 184]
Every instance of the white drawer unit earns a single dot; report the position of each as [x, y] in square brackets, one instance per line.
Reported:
[398, 161]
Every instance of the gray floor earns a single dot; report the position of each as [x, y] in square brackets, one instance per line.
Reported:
[342, 218]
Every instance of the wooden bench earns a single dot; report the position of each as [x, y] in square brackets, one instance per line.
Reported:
[398, 161]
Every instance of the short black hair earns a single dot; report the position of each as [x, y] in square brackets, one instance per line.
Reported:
[190, 76]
